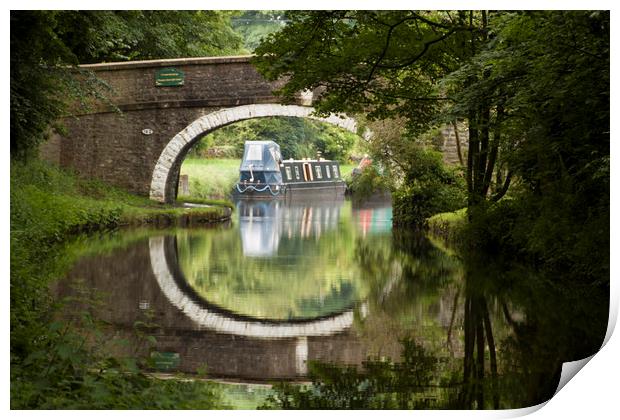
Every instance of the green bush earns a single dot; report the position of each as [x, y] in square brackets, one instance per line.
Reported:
[428, 188]
[369, 181]
[382, 384]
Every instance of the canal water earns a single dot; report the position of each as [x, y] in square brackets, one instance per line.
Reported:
[288, 291]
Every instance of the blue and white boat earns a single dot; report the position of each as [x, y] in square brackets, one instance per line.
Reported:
[263, 174]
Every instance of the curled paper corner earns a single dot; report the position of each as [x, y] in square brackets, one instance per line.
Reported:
[570, 369]
[613, 314]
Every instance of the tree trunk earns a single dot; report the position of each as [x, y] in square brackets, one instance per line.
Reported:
[458, 142]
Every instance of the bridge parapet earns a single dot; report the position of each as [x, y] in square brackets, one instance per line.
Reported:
[206, 82]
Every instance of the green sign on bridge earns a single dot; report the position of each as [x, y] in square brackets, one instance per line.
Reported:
[169, 77]
[165, 360]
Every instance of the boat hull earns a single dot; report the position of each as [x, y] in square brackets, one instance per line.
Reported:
[328, 189]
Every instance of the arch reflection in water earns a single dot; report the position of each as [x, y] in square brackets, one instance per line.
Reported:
[207, 316]
[289, 262]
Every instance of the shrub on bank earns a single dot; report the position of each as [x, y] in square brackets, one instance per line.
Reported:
[367, 182]
[447, 226]
[428, 188]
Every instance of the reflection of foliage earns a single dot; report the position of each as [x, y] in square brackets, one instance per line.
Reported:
[540, 326]
[411, 263]
[563, 322]
[306, 276]
[381, 384]
[478, 333]
[74, 365]
[505, 329]
[412, 291]
[331, 302]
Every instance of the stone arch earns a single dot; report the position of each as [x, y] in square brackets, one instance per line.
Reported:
[166, 169]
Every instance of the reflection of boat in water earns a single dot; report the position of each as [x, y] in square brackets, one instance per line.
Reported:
[373, 215]
[258, 225]
[264, 175]
[262, 223]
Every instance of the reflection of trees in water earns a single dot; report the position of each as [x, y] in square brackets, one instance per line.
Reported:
[505, 337]
[412, 286]
[477, 333]
[306, 277]
[380, 384]
[547, 323]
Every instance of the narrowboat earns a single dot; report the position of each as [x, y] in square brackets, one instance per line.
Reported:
[264, 175]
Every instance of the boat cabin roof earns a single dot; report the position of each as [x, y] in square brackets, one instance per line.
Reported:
[261, 155]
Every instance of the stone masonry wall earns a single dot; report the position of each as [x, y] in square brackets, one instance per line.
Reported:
[111, 146]
[449, 147]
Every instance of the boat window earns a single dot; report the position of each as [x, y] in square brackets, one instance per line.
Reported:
[288, 172]
[297, 177]
[335, 168]
[327, 172]
[254, 152]
[317, 170]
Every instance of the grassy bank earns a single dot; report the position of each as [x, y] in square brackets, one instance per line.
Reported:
[211, 178]
[60, 364]
[215, 178]
[447, 226]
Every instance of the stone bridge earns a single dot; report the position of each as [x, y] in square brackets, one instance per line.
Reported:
[166, 107]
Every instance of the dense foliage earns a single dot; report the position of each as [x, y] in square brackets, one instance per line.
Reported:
[533, 88]
[553, 69]
[428, 188]
[297, 137]
[365, 182]
[422, 184]
[395, 74]
[254, 25]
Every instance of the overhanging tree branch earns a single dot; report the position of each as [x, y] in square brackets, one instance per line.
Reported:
[415, 58]
[504, 189]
